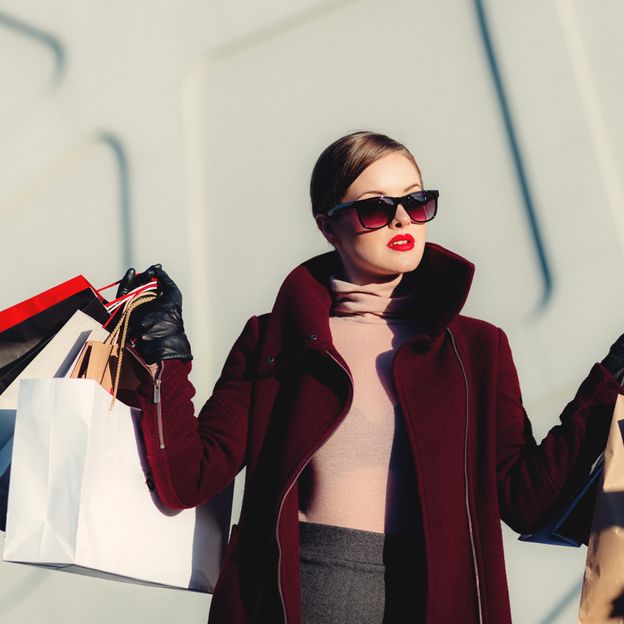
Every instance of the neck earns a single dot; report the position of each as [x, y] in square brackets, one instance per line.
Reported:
[374, 301]
[387, 284]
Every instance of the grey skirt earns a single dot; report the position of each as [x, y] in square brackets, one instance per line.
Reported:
[360, 577]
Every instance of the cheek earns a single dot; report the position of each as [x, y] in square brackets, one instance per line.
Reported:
[419, 234]
[370, 244]
[357, 243]
[370, 241]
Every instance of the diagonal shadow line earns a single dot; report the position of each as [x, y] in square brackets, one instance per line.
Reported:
[41, 36]
[518, 161]
[572, 595]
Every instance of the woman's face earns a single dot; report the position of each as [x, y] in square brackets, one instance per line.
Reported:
[366, 255]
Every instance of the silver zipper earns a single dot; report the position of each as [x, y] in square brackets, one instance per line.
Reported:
[279, 512]
[156, 381]
[158, 402]
[466, 488]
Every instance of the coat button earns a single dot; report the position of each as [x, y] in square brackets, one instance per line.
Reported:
[269, 359]
[313, 337]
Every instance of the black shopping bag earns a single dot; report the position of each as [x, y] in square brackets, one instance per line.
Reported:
[28, 326]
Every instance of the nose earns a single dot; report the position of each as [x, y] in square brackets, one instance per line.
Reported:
[401, 218]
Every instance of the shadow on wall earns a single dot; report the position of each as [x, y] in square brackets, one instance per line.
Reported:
[517, 157]
[42, 37]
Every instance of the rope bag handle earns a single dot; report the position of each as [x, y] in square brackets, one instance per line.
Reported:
[119, 336]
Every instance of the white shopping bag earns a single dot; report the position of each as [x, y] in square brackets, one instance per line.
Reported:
[55, 360]
[79, 498]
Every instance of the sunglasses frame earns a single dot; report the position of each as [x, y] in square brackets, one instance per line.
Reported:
[394, 201]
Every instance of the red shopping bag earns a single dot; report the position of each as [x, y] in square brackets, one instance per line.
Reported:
[24, 310]
[25, 328]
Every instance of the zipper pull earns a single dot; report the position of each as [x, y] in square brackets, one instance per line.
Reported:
[157, 390]
[157, 377]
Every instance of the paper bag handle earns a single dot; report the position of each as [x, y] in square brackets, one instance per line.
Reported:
[116, 338]
[124, 323]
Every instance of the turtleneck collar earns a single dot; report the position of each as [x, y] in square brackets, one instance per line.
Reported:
[300, 315]
[385, 302]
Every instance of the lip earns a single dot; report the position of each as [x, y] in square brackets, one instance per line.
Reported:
[403, 247]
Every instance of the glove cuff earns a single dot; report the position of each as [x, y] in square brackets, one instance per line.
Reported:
[173, 347]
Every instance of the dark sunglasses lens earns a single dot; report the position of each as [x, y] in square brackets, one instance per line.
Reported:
[421, 207]
[375, 213]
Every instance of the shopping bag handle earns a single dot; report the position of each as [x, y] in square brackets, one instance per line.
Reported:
[103, 288]
[113, 305]
[120, 334]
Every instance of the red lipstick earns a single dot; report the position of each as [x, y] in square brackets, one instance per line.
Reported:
[401, 242]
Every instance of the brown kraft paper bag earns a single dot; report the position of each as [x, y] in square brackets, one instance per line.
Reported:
[602, 597]
[105, 363]
[99, 361]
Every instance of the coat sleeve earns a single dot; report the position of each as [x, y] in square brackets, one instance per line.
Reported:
[193, 458]
[536, 481]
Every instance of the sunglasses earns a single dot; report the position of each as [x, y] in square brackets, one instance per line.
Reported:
[377, 212]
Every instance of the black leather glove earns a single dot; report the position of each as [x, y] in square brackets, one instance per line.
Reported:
[614, 360]
[156, 327]
[131, 280]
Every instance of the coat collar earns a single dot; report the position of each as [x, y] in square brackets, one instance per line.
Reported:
[300, 316]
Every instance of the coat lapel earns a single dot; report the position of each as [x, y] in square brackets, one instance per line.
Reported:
[314, 379]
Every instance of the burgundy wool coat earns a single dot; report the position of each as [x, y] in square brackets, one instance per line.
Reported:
[284, 389]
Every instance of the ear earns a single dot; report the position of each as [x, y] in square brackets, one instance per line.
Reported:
[325, 224]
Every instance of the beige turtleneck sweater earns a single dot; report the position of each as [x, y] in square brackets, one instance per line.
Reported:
[363, 475]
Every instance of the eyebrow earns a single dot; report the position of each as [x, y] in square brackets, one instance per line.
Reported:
[380, 193]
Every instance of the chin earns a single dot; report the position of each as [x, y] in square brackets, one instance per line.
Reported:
[394, 268]
[380, 264]
[406, 268]
[405, 265]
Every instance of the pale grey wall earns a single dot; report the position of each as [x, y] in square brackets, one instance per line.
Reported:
[144, 131]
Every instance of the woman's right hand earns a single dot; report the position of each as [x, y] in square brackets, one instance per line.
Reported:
[156, 327]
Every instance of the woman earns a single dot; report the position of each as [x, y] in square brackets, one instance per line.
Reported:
[382, 431]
